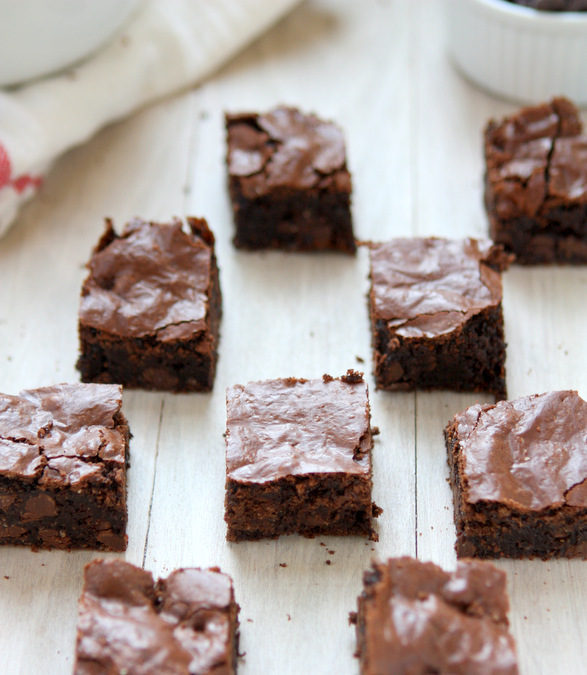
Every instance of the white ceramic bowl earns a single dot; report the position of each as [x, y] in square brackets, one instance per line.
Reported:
[38, 37]
[519, 53]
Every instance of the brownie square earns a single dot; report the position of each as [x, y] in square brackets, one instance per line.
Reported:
[298, 458]
[150, 308]
[63, 459]
[536, 184]
[518, 471]
[186, 623]
[436, 315]
[554, 5]
[288, 182]
[413, 617]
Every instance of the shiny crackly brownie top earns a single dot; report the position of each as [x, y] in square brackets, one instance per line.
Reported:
[559, 118]
[536, 157]
[67, 435]
[180, 625]
[427, 287]
[567, 169]
[152, 280]
[420, 619]
[279, 428]
[285, 148]
[529, 453]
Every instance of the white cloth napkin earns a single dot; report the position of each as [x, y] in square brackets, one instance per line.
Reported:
[169, 45]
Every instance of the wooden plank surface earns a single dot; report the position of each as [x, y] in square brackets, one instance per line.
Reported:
[413, 135]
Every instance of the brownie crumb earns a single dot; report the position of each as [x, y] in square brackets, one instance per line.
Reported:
[328, 562]
[282, 564]
[375, 431]
[292, 381]
[360, 359]
[352, 377]
[327, 378]
[332, 552]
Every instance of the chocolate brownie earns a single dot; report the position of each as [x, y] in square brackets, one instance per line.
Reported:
[436, 315]
[518, 471]
[289, 183]
[150, 308]
[63, 458]
[185, 624]
[536, 184]
[298, 458]
[414, 617]
[554, 5]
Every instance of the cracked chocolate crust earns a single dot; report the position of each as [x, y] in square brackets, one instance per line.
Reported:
[289, 183]
[151, 307]
[436, 315]
[63, 459]
[415, 617]
[299, 459]
[536, 184]
[186, 623]
[518, 471]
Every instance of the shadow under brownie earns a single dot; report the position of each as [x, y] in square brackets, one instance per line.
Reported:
[63, 459]
[413, 617]
[150, 308]
[186, 623]
[436, 315]
[518, 471]
[298, 458]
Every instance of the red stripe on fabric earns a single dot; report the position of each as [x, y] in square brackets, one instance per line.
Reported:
[22, 182]
[5, 167]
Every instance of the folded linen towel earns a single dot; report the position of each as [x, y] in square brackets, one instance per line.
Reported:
[169, 45]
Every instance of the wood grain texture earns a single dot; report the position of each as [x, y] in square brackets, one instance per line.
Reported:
[413, 131]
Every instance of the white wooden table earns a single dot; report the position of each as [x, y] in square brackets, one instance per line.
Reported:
[413, 130]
